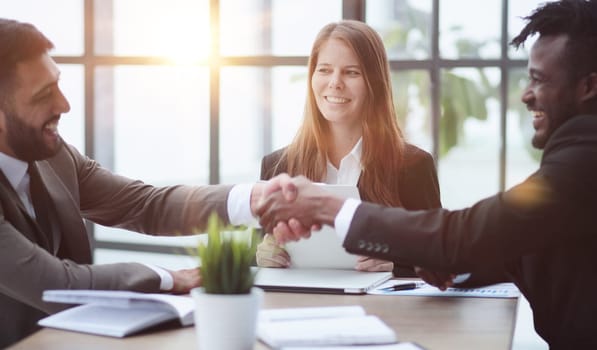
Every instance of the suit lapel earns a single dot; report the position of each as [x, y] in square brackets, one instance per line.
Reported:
[17, 214]
[69, 232]
[10, 193]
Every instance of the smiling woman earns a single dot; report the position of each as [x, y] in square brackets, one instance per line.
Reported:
[350, 134]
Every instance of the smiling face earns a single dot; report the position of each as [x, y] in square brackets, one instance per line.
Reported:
[338, 84]
[550, 95]
[29, 116]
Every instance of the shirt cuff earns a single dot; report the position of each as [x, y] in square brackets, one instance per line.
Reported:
[239, 206]
[461, 278]
[344, 217]
[166, 280]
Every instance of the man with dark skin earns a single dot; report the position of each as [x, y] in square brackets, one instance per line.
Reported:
[541, 233]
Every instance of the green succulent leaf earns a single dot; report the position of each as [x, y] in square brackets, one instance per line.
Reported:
[226, 258]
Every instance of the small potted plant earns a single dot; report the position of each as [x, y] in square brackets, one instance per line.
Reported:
[227, 304]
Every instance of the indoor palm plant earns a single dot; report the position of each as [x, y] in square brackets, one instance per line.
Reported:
[227, 304]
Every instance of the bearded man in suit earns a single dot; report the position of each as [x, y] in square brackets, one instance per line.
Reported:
[47, 187]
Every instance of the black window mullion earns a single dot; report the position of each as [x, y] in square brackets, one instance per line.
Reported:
[435, 78]
[504, 64]
[214, 94]
[353, 9]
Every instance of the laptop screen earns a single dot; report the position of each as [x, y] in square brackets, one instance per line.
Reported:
[319, 280]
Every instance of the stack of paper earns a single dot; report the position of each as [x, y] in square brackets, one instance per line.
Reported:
[322, 326]
[400, 346]
[500, 290]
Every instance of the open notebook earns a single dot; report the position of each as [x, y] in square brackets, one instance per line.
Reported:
[117, 313]
[320, 264]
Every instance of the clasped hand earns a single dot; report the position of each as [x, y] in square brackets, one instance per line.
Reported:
[289, 208]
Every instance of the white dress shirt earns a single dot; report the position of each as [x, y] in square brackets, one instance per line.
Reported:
[239, 206]
[349, 170]
[15, 171]
[348, 174]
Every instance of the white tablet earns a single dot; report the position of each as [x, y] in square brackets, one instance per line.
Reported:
[324, 248]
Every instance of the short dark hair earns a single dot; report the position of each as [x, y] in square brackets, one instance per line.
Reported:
[18, 42]
[575, 18]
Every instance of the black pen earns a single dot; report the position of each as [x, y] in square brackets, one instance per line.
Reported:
[404, 286]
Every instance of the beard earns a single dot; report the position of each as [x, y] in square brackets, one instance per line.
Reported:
[556, 117]
[27, 142]
[540, 139]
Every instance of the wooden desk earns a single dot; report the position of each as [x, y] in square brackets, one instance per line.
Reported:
[436, 323]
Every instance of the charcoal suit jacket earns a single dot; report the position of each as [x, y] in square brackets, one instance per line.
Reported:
[80, 189]
[543, 234]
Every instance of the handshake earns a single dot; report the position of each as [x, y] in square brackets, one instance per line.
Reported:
[291, 207]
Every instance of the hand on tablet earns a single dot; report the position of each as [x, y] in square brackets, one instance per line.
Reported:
[365, 263]
[270, 254]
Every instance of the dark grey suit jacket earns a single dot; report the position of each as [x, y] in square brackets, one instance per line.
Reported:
[79, 188]
[543, 233]
[418, 187]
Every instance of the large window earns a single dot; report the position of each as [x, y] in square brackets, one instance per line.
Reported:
[197, 91]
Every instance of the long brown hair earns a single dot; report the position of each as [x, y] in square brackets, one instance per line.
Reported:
[383, 144]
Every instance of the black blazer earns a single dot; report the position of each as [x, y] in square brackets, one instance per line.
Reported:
[543, 233]
[418, 187]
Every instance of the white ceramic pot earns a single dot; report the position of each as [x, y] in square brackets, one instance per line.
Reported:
[226, 321]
